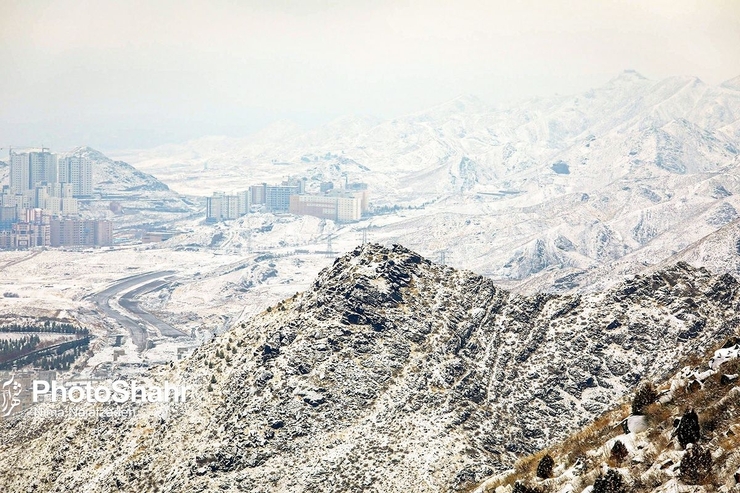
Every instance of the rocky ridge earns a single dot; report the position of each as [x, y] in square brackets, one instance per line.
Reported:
[391, 374]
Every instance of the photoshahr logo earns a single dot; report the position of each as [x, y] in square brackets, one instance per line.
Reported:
[119, 391]
[76, 392]
[10, 392]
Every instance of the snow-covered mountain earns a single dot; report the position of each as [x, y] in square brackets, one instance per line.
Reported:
[113, 177]
[550, 189]
[680, 125]
[143, 199]
[391, 373]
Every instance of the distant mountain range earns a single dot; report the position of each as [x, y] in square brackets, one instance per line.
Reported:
[679, 125]
[553, 192]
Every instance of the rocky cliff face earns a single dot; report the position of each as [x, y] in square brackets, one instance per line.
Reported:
[391, 374]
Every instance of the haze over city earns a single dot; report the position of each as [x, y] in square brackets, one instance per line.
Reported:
[139, 74]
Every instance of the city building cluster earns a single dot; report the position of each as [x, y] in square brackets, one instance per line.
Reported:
[40, 205]
[346, 204]
[30, 169]
[38, 228]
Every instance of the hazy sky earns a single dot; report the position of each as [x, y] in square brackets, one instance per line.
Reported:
[137, 74]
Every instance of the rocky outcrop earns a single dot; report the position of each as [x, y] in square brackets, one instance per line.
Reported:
[390, 374]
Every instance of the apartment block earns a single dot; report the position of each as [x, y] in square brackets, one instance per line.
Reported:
[276, 197]
[24, 235]
[242, 200]
[19, 201]
[41, 187]
[103, 233]
[221, 206]
[360, 190]
[340, 208]
[77, 171]
[20, 168]
[8, 215]
[29, 230]
[29, 168]
[80, 232]
[42, 167]
[57, 198]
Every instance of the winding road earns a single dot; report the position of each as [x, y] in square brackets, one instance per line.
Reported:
[135, 319]
[130, 303]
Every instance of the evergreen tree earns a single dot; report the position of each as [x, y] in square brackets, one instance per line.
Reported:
[688, 428]
[612, 482]
[695, 466]
[544, 468]
[618, 452]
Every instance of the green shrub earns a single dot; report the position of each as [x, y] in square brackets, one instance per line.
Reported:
[544, 468]
[618, 452]
[688, 428]
[522, 488]
[644, 396]
[612, 482]
[695, 466]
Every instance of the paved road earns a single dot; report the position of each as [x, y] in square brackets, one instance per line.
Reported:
[135, 324]
[129, 302]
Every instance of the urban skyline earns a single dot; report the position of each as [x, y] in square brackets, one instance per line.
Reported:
[341, 205]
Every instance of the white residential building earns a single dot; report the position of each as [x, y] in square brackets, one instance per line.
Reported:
[341, 208]
[19, 172]
[42, 168]
[221, 206]
[77, 170]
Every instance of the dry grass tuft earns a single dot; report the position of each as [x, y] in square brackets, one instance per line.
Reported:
[658, 414]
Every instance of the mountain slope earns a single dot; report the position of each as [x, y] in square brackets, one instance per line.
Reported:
[553, 188]
[390, 374]
[111, 177]
[680, 435]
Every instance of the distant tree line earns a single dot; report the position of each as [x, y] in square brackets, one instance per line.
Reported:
[47, 355]
[62, 361]
[13, 348]
[49, 326]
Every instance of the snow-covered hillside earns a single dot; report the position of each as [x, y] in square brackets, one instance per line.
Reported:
[112, 177]
[142, 200]
[677, 436]
[542, 193]
[390, 373]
